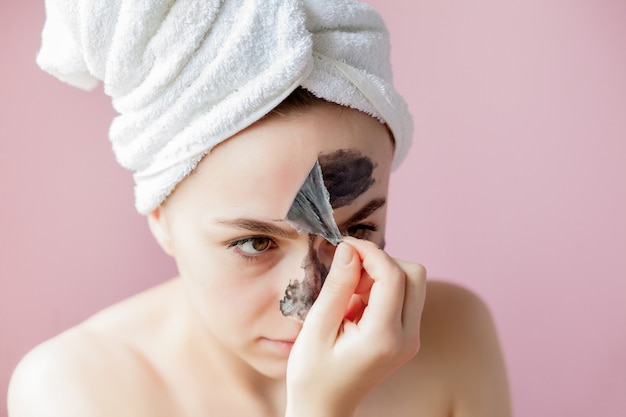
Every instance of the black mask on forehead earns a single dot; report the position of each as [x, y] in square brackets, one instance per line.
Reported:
[347, 175]
[336, 180]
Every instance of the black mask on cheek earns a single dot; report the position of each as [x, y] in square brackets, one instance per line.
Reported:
[302, 293]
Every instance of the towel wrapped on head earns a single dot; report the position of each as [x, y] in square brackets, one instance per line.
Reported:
[184, 75]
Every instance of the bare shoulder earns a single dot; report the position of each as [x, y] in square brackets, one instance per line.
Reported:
[89, 370]
[60, 377]
[458, 371]
[458, 333]
[452, 312]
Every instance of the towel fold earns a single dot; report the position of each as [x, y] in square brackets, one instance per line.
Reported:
[184, 75]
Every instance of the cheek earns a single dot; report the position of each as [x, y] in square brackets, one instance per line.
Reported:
[231, 294]
[222, 292]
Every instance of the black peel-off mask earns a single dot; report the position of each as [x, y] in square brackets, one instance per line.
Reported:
[311, 211]
[336, 180]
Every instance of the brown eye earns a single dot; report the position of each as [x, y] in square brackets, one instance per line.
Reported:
[254, 245]
[260, 244]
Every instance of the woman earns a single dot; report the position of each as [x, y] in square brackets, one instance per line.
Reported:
[225, 108]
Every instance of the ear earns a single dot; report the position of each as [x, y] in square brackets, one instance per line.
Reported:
[160, 230]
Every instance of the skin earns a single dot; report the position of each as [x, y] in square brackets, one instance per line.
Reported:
[213, 341]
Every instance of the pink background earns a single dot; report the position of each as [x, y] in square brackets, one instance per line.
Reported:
[516, 188]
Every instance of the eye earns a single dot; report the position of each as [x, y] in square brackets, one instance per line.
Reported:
[253, 245]
[361, 231]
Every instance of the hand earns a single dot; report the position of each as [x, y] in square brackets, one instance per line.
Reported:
[364, 325]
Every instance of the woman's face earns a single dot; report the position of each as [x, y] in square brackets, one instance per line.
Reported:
[225, 224]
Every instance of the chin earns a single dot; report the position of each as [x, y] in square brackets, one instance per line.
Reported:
[272, 369]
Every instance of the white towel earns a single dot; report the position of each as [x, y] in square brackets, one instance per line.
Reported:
[185, 75]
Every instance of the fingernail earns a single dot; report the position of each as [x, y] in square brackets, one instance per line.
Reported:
[343, 254]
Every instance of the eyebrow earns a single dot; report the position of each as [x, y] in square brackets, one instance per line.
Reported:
[260, 226]
[365, 212]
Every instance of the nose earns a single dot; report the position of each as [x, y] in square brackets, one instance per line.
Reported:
[303, 288]
[325, 252]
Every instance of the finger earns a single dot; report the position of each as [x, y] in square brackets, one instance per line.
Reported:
[386, 298]
[365, 283]
[359, 300]
[355, 309]
[327, 313]
[414, 296]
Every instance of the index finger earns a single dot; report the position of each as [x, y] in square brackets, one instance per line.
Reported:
[327, 313]
[386, 299]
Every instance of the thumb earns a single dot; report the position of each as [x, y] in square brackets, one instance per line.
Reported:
[327, 313]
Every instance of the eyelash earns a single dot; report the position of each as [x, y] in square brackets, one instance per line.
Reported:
[366, 228]
[359, 231]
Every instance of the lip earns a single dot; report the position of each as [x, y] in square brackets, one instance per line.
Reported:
[281, 346]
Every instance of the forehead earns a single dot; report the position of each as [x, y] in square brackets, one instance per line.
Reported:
[347, 175]
[259, 171]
